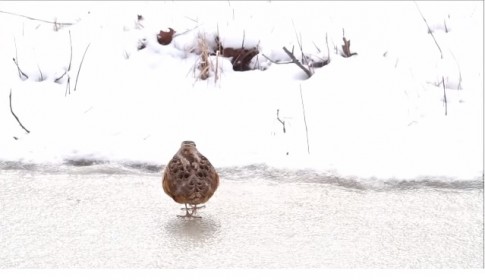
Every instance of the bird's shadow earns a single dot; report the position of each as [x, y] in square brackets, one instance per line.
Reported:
[192, 229]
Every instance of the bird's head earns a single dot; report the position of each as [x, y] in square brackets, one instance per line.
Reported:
[188, 143]
[188, 148]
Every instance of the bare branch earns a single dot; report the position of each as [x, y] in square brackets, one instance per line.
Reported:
[40, 71]
[316, 47]
[277, 62]
[444, 95]
[68, 86]
[186, 31]
[216, 71]
[194, 20]
[70, 61]
[16, 60]
[62, 76]
[70, 58]
[20, 71]
[429, 29]
[459, 69]
[244, 38]
[304, 119]
[15, 116]
[300, 43]
[278, 118]
[36, 19]
[80, 65]
[298, 63]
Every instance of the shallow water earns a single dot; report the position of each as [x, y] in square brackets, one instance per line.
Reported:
[111, 217]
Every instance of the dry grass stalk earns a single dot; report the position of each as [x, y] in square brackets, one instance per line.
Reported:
[204, 64]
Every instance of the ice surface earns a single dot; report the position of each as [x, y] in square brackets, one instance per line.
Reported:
[85, 217]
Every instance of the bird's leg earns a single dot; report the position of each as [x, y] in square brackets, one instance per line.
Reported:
[192, 213]
[193, 206]
[186, 212]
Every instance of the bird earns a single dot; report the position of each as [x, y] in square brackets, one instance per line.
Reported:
[189, 178]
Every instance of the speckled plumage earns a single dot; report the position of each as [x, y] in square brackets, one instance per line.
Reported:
[189, 178]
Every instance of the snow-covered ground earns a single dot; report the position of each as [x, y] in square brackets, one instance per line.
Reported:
[380, 113]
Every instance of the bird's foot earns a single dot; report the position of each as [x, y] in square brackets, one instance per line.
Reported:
[189, 216]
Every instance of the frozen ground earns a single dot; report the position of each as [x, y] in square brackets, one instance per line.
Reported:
[100, 217]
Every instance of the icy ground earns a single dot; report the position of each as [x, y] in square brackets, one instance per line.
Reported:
[90, 217]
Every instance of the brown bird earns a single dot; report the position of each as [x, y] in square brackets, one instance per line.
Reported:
[189, 178]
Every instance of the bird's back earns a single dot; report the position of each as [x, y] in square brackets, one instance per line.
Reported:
[189, 177]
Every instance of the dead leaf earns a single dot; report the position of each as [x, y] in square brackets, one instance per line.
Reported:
[165, 38]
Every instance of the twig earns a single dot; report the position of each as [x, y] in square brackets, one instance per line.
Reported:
[304, 119]
[11, 110]
[429, 29]
[444, 94]
[244, 38]
[278, 118]
[20, 71]
[56, 25]
[186, 31]
[16, 59]
[459, 69]
[31, 18]
[276, 62]
[80, 65]
[62, 76]
[299, 40]
[40, 71]
[328, 50]
[70, 57]
[216, 71]
[316, 47]
[68, 84]
[194, 20]
[298, 63]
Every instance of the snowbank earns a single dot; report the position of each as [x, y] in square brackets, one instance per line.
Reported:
[380, 113]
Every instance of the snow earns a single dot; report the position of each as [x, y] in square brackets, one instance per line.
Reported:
[378, 114]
